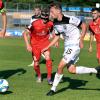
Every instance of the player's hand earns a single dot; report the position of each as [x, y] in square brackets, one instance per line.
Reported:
[56, 44]
[45, 49]
[29, 48]
[90, 49]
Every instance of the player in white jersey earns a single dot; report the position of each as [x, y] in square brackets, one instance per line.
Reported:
[73, 41]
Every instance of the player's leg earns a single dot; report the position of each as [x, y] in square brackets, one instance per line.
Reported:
[37, 69]
[79, 69]
[48, 66]
[32, 64]
[84, 70]
[36, 57]
[72, 58]
[98, 53]
[57, 78]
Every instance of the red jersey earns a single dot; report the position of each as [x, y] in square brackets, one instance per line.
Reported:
[1, 5]
[94, 27]
[40, 31]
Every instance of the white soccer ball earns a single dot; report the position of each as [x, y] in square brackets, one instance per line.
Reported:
[3, 85]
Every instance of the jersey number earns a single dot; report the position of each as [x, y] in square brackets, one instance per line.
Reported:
[69, 51]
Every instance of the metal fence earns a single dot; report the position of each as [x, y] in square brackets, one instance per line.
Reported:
[19, 14]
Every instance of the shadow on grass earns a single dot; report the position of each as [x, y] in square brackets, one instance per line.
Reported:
[75, 84]
[43, 61]
[5, 74]
[44, 75]
[5, 93]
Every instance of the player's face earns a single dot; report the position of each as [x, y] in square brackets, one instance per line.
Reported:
[37, 11]
[95, 15]
[53, 13]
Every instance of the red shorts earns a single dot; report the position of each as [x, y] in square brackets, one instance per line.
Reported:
[98, 50]
[37, 48]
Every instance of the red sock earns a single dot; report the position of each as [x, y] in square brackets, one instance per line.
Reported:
[49, 68]
[37, 70]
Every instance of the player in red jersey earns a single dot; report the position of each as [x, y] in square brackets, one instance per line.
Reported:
[39, 39]
[4, 19]
[94, 27]
[37, 15]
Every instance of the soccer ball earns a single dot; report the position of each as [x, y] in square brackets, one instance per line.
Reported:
[3, 85]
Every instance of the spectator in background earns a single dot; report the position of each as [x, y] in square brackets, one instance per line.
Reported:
[37, 15]
[94, 27]
[39, 38]
[4, 19]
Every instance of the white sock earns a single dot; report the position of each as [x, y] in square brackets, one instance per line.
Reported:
[84, 70]
[33, 62]
[56, 81]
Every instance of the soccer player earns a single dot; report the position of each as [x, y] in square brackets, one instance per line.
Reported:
[37, 15]
[73, 41]
[39, 39]
[94, 27]
[4, 19]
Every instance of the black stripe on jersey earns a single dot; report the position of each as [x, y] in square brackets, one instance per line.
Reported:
[80, 24]
[34, 16]
[58, 34]
[65, 20]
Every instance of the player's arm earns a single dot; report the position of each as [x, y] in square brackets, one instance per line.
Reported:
[83, 32]
[4, 24]
[77, 22]
[91, 40]
[25, 35]
[55, 39]
[4, 20]
[53, 36]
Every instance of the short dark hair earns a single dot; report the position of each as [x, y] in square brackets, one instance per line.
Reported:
[95, 9]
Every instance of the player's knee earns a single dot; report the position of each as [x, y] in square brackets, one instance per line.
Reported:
[36, 64]
[72, 69]
[47, 57]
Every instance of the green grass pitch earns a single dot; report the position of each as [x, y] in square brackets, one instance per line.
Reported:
[14, 59]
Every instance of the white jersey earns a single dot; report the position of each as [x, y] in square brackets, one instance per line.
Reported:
[68, 27]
